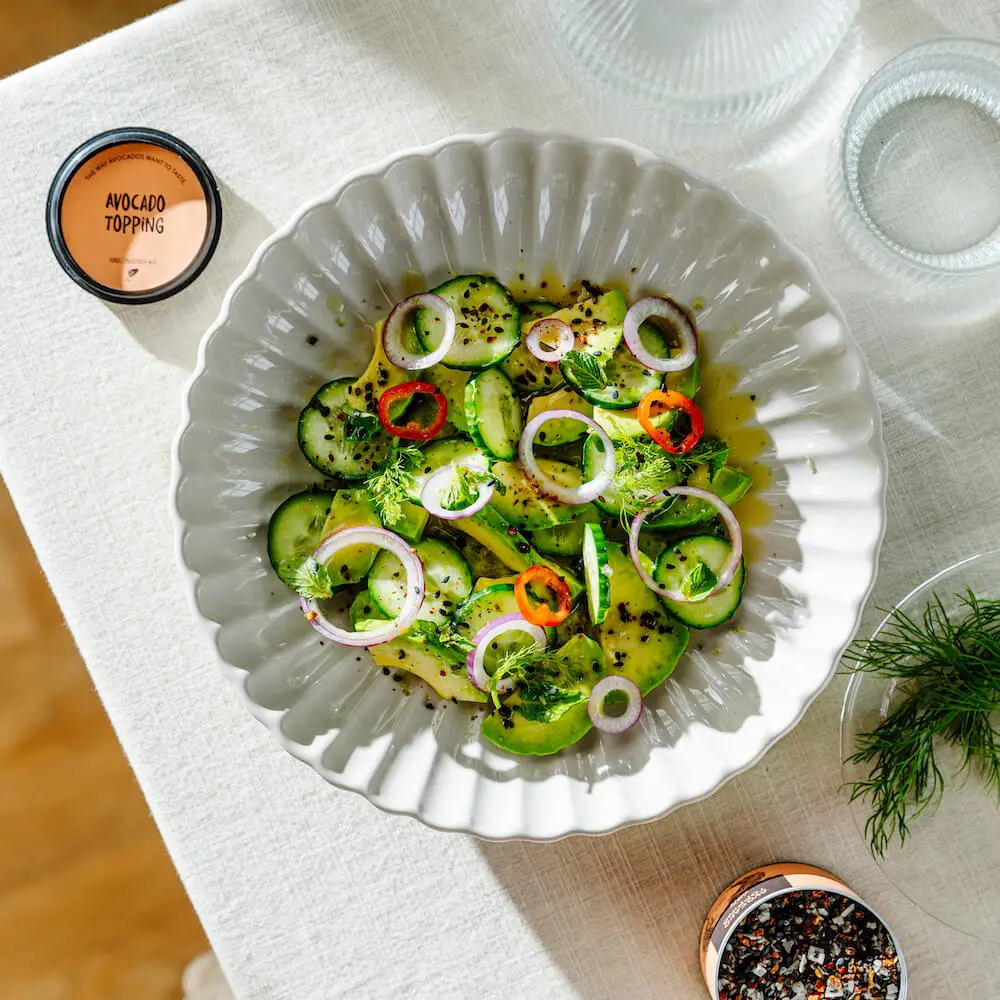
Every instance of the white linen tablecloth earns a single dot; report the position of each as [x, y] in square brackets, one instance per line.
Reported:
[309, 893]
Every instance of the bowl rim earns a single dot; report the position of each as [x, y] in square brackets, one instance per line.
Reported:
[271, 718]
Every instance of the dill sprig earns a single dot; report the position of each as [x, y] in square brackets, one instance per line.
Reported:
[644, 470]
[539, 682]
[949, 669]
[389, 488]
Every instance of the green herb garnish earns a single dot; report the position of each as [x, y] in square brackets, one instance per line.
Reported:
[644, 470]
[312, 580]
[359, 426]
[538, 681]
[464, 487]
[585, 371]
[949, 666]
[390, 487]
[699, 581]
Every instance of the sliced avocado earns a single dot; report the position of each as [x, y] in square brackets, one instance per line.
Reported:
[441, 667]
[524, 729]
[640, 639]
[565, 539]
[485, 582]
[557, 432]
[411, 523]
[597, 322]
[523, 502]
[381, 374]
[490, 529]
[351, 509]
[728, 484]
[687, 381]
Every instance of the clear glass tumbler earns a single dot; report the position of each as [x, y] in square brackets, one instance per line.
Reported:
[700, 72]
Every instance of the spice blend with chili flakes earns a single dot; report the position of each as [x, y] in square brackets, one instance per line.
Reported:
[810, 945]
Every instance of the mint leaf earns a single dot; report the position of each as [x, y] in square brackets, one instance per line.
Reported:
[464, 487]
[359, 426]
[584, 370]
[699, 581]
[312, 581]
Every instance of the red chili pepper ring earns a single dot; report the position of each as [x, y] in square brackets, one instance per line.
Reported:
[542, 614]
[413, 431]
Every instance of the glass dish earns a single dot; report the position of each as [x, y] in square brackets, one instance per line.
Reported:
[950, 864]
[698, 72]
[917, 188]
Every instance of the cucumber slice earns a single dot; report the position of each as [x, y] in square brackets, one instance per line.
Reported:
[323, 440]
[488, 322]
[627, 379]
[728, 484]
[351, 509]
[363, 609]
[452, 383]
[485, 606]
[447, 581]
[526, 372]
[493, 414]
[557, 432]
[676, 563]
[564, 539]
[525, 505]
[295, 530]
[440, 453]
[596, 573]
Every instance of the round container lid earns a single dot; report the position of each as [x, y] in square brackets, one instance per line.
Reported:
[134, 215]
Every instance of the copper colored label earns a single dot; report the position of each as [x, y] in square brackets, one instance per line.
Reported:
[134, 217]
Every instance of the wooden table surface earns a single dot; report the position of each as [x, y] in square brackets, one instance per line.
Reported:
[92, 908]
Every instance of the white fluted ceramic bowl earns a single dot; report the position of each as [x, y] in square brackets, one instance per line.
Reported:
[507, 204]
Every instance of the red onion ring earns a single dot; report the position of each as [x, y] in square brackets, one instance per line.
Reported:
[481, 640]
[392, 332]
[731, 565]
[430, 496]
[564, 332]
[661, 308]
[583, 493]
[412, 565]
[614, 723]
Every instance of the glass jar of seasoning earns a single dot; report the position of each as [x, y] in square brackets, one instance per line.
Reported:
[795, 932]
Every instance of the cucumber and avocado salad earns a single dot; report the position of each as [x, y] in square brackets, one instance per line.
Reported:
[496, 541]
[325, 428]
[488, 322]
[675, 565]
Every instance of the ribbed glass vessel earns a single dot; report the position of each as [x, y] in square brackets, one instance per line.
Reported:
[700, 72]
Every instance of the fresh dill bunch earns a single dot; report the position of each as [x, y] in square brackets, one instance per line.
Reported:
[949, 669]
[390, 486]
